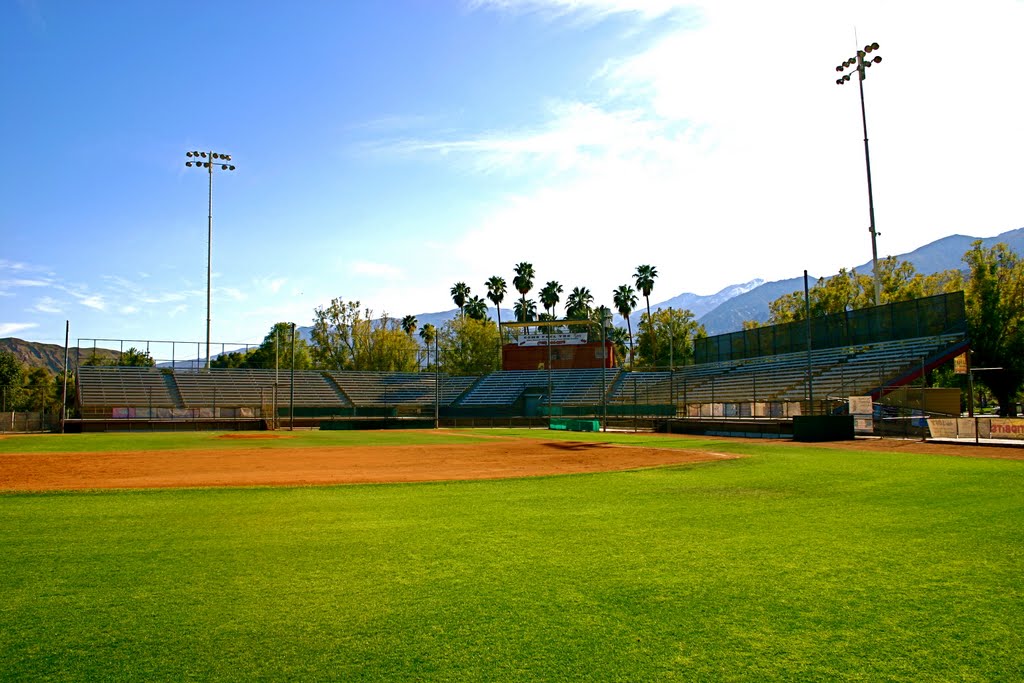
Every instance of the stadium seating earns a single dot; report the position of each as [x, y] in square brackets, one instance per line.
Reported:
[781, 379]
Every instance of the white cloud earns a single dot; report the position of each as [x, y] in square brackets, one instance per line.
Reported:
[647, 9]
[93, 301]
[48, 305]
[8, 329]
[129, 310]
[23, 282]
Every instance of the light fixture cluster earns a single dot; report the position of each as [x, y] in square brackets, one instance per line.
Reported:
[199, 163]
[861, 61]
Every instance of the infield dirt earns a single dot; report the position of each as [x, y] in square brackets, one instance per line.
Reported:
[492, 458]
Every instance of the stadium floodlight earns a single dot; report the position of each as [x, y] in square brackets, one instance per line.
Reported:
[193, 161]
[862, 62]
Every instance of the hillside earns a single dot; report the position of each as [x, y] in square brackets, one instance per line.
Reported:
[50, 356]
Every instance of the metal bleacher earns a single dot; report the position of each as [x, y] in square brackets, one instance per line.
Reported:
[568, 387]
[109, 386]
[399, 388]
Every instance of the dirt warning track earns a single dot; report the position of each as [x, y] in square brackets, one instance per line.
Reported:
[489, 459]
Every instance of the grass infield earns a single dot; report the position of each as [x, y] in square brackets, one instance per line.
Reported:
[793, 563]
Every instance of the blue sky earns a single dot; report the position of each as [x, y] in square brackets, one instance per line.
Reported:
[386, 150]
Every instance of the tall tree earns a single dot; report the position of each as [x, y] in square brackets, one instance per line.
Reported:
[347, 338]
[644, 279]
[39, 390]
[496, 289]
[550, 295]
[525, 310]
[625, 301]
[428, 334]
[476, 308]
[10, 380]
[579, 303]
[578, 307]
[467, 346]
[523, 282]
[672, 342]
[995, 320]
[460, 292]
[409, 324]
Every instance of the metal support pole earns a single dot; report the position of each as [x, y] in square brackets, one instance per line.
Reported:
[291, 391]
[871, 197]
[209, 259]
[810, 377]
[437, 384]
[548, 365]
[64, 394]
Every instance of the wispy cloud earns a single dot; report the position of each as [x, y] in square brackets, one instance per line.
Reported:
[595, 8]
[575, 136]
[48, 305]
[8, 329]
[93, 301]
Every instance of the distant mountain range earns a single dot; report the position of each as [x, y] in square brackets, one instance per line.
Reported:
[724, 311]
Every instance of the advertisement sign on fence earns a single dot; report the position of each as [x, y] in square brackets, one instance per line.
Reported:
[986, 428]
[1007, 428]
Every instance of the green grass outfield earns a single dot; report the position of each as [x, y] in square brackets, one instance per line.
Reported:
[794, 563]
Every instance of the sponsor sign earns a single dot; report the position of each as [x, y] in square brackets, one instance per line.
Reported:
[556, 339]
[860, 405]
[945, 428]
[1006, 428]
[960, 364]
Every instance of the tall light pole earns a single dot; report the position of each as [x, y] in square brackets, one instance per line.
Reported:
[209, 161]
[862, 62]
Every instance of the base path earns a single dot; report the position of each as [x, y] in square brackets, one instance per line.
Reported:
[489, 459]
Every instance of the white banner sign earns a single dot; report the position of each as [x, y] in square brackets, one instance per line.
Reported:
[556, 339]
[860, 405]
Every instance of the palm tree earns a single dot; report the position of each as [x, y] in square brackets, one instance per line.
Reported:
[460, 292]
[625, 303]
[578, 303]
[476, 308]
[409, 324]
[523, 282]
[525, 309]
[496, 293]
[428, 334]
[550, 296]
[644, 278]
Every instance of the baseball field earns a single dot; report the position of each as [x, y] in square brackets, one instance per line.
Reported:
[507, 555]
